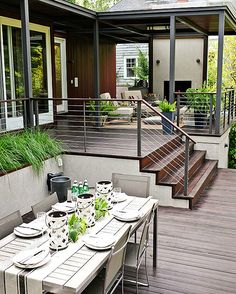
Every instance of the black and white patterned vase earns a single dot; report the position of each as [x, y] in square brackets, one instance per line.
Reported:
[105, 189]
[86, 208]
[56, 221]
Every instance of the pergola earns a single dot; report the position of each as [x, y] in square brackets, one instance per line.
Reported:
[130, 26]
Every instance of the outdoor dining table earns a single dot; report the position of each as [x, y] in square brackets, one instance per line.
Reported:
[72, 269]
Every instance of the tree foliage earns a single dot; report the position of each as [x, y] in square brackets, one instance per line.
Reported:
[97, 5]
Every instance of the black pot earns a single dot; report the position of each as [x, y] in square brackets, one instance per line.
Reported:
[166, 126]
[60, 185]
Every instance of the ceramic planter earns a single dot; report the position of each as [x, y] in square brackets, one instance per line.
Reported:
[60, 185]
[166, 126]
[57, 223]
[86, 208]
[105, 189]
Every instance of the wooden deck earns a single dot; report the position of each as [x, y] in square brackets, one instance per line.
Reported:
[197, 249]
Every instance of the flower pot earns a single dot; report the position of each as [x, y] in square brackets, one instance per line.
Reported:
[166, 126]
[105, 189]
[86, 208]
[60, 185]
[56, 221]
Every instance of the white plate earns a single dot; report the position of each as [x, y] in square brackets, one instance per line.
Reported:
[100, 242]
[127, 215]
[119, 197]
[64, 206]
[25, 230]
[30, 258]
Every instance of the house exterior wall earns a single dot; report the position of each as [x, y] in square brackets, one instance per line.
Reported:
[186, 67]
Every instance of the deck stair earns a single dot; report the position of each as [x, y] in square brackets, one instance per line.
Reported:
[167, 163]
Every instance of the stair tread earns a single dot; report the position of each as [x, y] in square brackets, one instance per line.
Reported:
[175, 177]
[163, 162]
[199, 178]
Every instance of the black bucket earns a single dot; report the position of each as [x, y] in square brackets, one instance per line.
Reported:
[60, 185]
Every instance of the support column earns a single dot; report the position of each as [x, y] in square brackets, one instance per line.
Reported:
[205, 59]
[96, 59]
[2, 105]
[221, 30]
[151, 65]
[172, 60]
[25, 36]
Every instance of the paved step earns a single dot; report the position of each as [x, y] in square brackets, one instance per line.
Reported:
[199, 182]
[172, 161]
[176, 177]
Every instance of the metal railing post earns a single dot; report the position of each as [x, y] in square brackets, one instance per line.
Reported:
[36, 112]
[139, 129]
[211, 113]
[85, 131]
[229, 106]
[186, 166]
[178, 110]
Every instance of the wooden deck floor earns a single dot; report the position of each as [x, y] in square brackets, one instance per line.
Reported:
[197, 249]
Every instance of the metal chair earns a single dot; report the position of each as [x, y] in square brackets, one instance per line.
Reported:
[132, 185]
[8, 223]
[114, 271]
[136, 251]
[45, 204]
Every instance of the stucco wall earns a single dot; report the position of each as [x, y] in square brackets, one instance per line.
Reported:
[186, 67]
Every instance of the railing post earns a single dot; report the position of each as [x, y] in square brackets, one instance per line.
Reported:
[229, 107]
[186, 166]
[178, 109]
[211, 113]
[224, 109]
[85, 130]
[36, 112]
[139, 129]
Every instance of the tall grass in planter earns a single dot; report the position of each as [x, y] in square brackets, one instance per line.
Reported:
[29, 147]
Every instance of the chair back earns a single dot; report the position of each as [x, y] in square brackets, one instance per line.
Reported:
[8, 223]
[145, 233]
[105, 96]
[132, 185]
[45, 205]
[136, 94]
[115, 264]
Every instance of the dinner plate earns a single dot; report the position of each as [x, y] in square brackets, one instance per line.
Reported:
[64, 206]
[31, 258]
[30, 230]
[99, 242]
[126, 215]
[119, 197]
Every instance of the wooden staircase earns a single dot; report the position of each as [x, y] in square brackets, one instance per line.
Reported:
[167, 163]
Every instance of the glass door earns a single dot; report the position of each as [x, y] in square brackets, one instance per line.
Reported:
[61, 76]
[13, 71]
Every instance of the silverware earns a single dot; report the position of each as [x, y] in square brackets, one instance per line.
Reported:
[29, 257]
[31, 228]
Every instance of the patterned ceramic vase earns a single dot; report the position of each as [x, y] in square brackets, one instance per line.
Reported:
[86, 208]
[105, 189]
[57, 223]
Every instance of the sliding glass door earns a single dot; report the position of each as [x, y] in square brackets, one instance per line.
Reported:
[13, 78]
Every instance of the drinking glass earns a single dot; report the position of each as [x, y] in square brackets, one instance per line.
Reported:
[41, 215]
[117, 190]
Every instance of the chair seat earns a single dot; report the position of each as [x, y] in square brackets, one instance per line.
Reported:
[131, 255]
[95, 287]
[152, 120]
[123, 111]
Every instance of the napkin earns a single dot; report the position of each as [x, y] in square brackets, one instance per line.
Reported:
[31, 228]
[65, 206]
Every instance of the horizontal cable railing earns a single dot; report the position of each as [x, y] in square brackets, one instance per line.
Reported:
[197, 112]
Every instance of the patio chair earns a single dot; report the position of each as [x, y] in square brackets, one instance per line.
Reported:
[120, 112]
[8, 223]
[137, 251]
[45, 205]
[132, 185]
[114, 271]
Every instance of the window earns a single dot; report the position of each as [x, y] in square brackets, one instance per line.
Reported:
[130, 64]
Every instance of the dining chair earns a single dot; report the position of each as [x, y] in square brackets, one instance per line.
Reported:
[132, 185]
[114, 270]
[45, 205]
[137, 251]
[9, 222]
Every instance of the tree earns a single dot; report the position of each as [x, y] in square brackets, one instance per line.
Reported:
[97, 5]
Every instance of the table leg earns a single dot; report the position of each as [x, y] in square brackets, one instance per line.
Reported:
[155, 239]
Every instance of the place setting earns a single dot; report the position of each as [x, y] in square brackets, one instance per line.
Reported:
[127, 215]
[119, 196]
[30, 230]
[32, 258]
[102, 241]
[68, 207]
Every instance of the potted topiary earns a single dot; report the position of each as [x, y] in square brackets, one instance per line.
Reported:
[168, 110]
[142, 70]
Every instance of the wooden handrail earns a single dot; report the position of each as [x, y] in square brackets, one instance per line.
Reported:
[169, 121]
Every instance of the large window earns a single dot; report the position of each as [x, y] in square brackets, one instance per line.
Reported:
[129, 65]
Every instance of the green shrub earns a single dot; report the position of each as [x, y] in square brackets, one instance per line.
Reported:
[165, 106]
[29, 147]
[232, 147]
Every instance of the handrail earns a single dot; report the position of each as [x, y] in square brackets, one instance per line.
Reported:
[169, 121]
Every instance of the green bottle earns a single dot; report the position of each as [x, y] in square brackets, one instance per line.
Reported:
[85, 186]
[81, 188]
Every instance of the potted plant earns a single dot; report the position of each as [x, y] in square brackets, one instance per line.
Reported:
[199, 101]
[168, 110]
[142, 70]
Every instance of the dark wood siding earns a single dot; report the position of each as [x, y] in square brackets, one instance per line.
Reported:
[80, 64]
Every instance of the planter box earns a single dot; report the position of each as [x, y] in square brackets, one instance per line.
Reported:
[22, 188]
